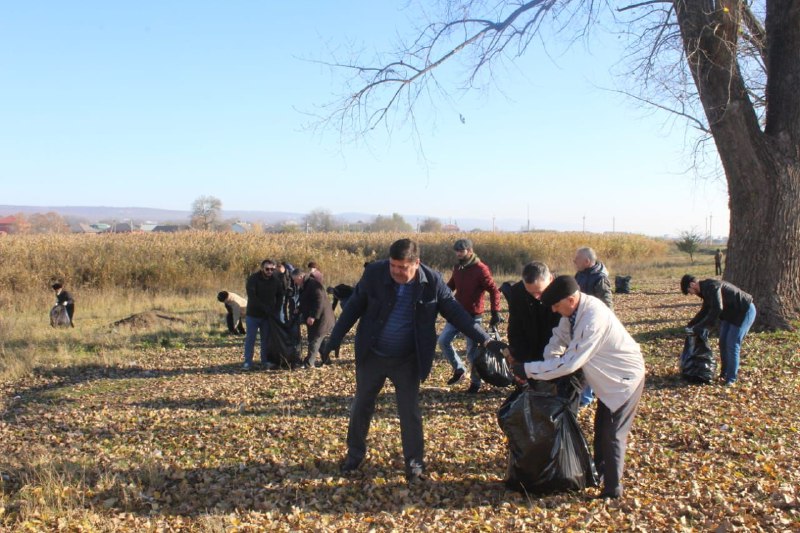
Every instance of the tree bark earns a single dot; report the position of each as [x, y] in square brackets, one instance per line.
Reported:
[762, 168]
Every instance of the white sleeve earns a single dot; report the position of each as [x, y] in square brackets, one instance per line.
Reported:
[580, 349]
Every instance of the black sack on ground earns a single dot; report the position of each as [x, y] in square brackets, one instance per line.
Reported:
[622, 284]
[283, 345]
[491, 364]
[546, 450]
[697, 360]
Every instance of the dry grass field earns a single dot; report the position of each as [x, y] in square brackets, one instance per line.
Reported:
[152, 426]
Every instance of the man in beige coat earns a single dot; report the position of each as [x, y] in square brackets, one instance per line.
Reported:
[589, 336]
[234, 304]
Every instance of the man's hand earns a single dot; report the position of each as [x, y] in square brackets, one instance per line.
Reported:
[495, 319]
[310, 321]
[520, 376]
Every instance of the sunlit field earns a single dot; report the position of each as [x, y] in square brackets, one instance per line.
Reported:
[140, 418]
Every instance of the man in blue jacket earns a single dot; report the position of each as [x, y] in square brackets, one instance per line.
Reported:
[397, 301]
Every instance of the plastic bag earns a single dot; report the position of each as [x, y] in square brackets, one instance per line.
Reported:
[59, 316]
[697, 359]
[546, 449]
[283, 345]
[622, 284]
[491, 364]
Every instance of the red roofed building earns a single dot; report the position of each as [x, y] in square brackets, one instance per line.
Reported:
[8, 224]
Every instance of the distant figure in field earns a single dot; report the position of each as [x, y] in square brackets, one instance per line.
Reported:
[316, 313]
[592, 278]
[314, 272]
[735, 311]
[265, 293]
[718, 263]
[64, 298]
[234, 304]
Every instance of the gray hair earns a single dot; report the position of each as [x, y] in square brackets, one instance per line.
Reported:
[535, 271]
[588, 253]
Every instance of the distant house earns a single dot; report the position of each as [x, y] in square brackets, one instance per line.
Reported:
[122, 227]
[84, 228]
[148, 227]
[451, 228]
[171, 228]
[241, 227]
[100, 227]
[8, 224]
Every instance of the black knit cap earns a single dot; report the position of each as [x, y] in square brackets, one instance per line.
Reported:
[560, 288]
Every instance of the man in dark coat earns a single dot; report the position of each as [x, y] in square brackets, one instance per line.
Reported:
[531, 323]
[397, 301]
[315, 311]
[735, 311]
[65, 298]
[265, 293]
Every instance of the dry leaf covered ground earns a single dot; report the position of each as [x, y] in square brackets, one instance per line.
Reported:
[182, 439]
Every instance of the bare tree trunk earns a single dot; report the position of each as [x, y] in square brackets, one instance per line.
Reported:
[762, 169]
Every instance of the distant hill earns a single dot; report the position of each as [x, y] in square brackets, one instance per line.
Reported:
[147, 214]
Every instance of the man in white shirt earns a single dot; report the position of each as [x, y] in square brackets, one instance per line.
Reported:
[591, 337]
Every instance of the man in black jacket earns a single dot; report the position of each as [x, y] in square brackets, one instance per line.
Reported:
[65, 298]
[736, 312]
[531, 323]
[264, 299]
[397, 302]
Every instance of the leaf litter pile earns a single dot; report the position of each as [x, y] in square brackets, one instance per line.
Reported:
[182, 439]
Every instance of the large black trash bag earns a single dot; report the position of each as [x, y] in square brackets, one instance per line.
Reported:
[546, 450]
[491, 364]
[622, 284]
[283, 346]
[697, 359]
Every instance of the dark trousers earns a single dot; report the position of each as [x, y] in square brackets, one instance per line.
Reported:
[70, 314]
[233, 328]
[611, 439]
[371, 375]
[717, 269]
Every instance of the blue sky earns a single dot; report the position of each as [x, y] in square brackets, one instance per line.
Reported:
[152, 104]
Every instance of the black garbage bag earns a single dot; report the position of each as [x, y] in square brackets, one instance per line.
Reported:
[622, 284]
[283, 346]
[697, 359]
[546, 450]
[491, 364]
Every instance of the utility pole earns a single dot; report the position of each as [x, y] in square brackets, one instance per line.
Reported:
[613, 224]
[584, 223]
[493, 230]
[710, 234]
[529, 217]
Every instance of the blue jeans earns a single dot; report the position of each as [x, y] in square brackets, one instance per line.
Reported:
[445, 342]
[255, 324]
[730, 344]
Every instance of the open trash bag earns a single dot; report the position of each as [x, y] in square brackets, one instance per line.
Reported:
[546, 449]
[59, 316]
[283, 346]
[491, 364]
[697, 359]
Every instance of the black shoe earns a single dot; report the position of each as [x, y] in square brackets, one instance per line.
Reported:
[458, 375]
[270, 366]
[349, 465]
[473, 388]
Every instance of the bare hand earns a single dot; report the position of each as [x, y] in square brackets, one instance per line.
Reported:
[310, 321]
